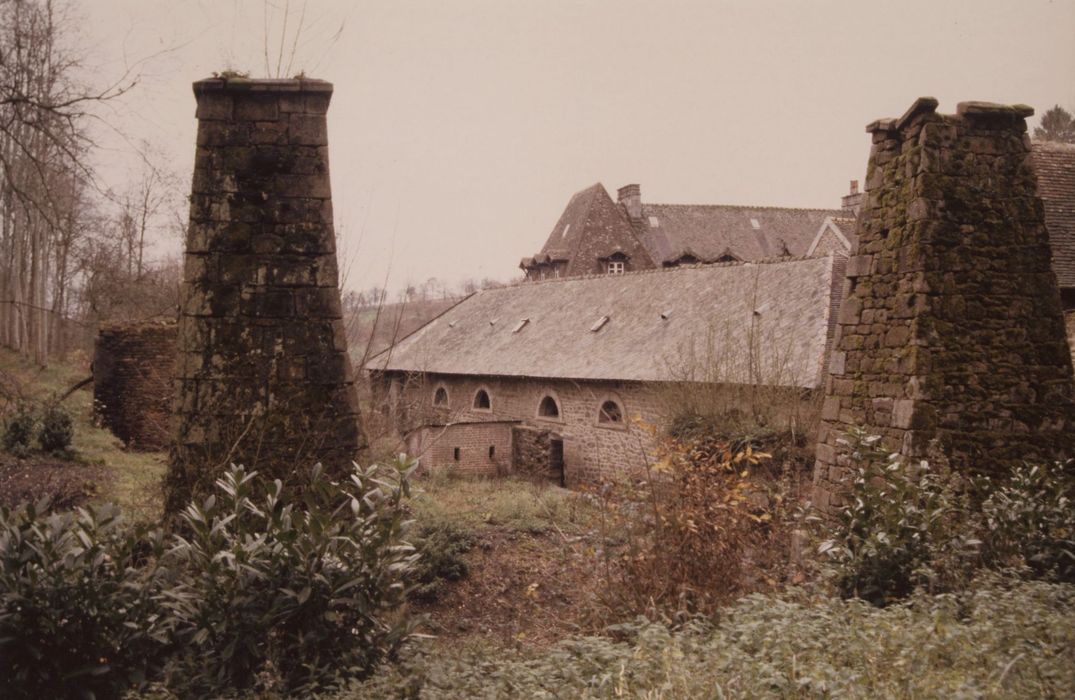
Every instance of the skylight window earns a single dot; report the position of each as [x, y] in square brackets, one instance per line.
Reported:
[599, 325]
[653, 222]
[754, 224]
[493, 321]
[666, 314]
[567, 228]
[520, 325]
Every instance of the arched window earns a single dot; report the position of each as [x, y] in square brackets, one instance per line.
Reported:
[548, 408]
[610, 412]
[481, 401]
[440, 397]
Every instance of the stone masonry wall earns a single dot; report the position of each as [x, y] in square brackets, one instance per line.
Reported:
[472, 449]
[951, 328]
[593, 451]
[132, 382]
[263, 373]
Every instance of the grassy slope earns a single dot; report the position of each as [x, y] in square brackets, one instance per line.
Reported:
[134, 476]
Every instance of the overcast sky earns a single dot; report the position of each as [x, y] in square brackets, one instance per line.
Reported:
[459, 130]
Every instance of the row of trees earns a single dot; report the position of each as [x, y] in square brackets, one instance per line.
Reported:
[71, 251]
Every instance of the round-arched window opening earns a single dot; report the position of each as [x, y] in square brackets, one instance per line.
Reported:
[481, 400]
[610, 413]
[440, 397]
[548, 408]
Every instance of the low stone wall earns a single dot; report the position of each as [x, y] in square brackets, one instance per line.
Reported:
[133, 368]
[472, 449]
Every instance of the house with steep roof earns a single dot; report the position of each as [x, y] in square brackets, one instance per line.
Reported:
[595, 235]
[1054, 163]
[555, 376]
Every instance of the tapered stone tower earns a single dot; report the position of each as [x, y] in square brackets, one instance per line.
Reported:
[263, 375]
[951, 335]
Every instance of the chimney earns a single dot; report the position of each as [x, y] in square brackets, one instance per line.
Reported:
[630, 196]
[852, 201]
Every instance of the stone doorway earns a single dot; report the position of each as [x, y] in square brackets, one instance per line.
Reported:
[556, 460]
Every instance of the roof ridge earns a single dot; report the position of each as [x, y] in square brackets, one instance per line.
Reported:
[771, 260]
[741, 206]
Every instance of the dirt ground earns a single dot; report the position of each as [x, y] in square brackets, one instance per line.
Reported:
[523, 589]
[67, 483]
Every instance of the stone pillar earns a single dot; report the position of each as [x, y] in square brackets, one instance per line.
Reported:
[951, 332]
[264, 378]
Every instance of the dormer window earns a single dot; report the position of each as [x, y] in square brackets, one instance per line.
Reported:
[615, 267]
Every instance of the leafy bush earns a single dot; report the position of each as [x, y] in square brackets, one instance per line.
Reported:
[272, 593]
[440, 546]
[906, 525]
[19, 430]
[1000, 639]
[260, 589]
[1030, 521]
[690, 526]
[57, 430]
[78, 616]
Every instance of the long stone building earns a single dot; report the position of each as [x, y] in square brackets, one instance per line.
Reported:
[565, 375]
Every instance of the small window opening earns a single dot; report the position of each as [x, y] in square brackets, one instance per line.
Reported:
[520, 325]
[754, 224]
[666, 314]
[455, 454]
[599, 324]
[492, 451]
[440, 397]
[548, 408]
[610, 413]
[615, 267]
[481, 400]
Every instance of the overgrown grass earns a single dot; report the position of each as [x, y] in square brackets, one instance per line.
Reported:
[513, 504]
[1000, 639]
[135, 485]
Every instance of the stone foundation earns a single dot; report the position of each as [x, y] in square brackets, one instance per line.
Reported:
[132, 382]
[264, 378]
[951, 331]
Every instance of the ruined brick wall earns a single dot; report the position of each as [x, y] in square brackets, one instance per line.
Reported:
[471, 449]
[133, 366]
[263, 373]
[951, 327]
[530, 451]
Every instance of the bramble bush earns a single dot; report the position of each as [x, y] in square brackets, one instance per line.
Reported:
[259, 589]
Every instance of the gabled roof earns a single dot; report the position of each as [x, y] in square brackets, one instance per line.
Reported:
[686, 324]
[1054, 163]
[748, 233]
[592, 227]
[842, 228]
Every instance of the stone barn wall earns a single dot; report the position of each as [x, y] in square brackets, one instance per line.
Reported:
[133, 366]
[951, 328]
[530, 451]
[263, 373]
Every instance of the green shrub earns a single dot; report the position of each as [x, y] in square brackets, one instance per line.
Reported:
[19, 430]
[906, 525]
[57, 430]
[1030, 521]
[78, 616]
[440, 546]
[1000, 639]
[281, 594]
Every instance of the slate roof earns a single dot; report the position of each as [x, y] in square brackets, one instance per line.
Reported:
[709, 231]
[1055, 166]
[689, 323]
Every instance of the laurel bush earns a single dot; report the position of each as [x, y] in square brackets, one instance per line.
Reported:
[57, 430]
[1001, 638]
[19, 430]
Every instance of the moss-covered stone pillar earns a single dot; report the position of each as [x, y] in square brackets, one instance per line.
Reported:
[264, 378]
[951, 331]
